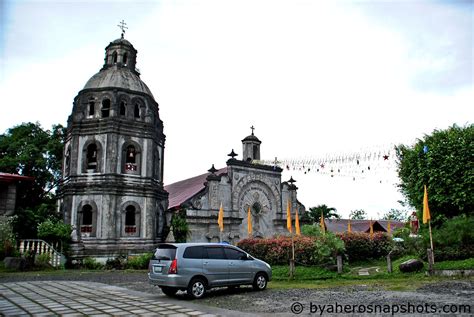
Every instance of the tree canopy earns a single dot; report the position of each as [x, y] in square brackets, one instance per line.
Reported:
[444, 162]
[29, 150]
[358, 214]
[313, 215]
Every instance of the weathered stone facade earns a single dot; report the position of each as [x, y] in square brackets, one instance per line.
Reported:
[242, 184]
[112, 189]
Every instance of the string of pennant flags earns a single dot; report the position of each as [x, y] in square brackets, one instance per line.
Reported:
[377, 161]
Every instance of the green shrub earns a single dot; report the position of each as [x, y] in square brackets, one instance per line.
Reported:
[360, 246]
[278, 250]
[91, 264]
[42, 260]
[139, 262]
[409, 246]
[7, 238]
[327, 246]
[118, 263]
[179, 226]
[453, 240]
[55, 231]
[309, 250]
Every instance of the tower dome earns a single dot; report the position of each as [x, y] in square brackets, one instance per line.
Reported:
[119, 69]
[251, 147]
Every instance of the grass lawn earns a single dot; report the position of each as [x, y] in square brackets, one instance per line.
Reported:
[317, 277]
[379, 278]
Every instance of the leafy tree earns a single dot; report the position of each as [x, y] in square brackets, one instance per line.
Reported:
[313, 215]
[443, 161]
[395, 214]
[358, 214]
[29, 150]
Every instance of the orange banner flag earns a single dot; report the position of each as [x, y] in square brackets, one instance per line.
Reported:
[349, 226]
[220, 218]
[297, 223]
[371, 229]
[249, 223]
[322, 224]
[288, 217]
[426, 209]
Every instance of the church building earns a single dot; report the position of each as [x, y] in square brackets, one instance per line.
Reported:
[241, 185]
[112, 189]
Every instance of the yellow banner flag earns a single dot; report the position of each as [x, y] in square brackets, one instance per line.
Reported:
[349, 226]
[220, 218]
[249, 223]
[297, 223]
[426, 209]
[288, 217]
[389, 229]
[371, 229]
[322, 224]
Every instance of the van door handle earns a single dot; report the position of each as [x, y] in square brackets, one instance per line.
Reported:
[205, 263]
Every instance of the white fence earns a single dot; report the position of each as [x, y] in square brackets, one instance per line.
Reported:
[37, 246]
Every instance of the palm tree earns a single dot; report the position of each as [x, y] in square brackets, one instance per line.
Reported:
[314, 213]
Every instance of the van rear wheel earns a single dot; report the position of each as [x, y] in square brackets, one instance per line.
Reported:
[170, 291]
[196, 288]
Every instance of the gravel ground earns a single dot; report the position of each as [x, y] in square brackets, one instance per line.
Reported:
[429, 299]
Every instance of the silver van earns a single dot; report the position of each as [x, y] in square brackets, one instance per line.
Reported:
[197, 267]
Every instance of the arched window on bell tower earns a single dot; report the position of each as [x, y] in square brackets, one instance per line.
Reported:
[91, 158]
[131, 219]
[125, 58]
[131, 161]
[123, 108]
[105, 108]
[86, 221]
[136, 111]
[114, 57]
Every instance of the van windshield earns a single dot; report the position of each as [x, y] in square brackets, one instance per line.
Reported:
[165, 252]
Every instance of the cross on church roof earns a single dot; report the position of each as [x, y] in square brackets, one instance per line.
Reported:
[252, 128]
[122, 26]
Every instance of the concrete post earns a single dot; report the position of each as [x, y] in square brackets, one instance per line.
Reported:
[430, 261]
[339, 264]
[389, 264]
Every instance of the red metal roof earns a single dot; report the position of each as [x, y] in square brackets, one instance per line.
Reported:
[181, 191]
[6, 177]
[340, 225]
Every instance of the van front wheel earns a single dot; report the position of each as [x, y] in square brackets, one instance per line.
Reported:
[196, 288]
[260, 282]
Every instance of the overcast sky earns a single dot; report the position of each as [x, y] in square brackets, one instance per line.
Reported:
[315, 78]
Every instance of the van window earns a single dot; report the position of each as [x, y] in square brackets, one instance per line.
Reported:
[193, 252]
[233, 254]
[165, 252]
[216, 253]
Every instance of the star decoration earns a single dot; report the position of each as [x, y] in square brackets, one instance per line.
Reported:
[385, 157]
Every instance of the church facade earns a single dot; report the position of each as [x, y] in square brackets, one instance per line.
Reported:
[241, 185]
[112, 189]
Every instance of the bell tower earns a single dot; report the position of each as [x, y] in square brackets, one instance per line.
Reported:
[112, 189]
[251, 147]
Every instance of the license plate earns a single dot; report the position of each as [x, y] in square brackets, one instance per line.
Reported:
[157, 269]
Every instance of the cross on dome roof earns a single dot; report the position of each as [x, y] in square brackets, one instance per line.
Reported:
[122, 26]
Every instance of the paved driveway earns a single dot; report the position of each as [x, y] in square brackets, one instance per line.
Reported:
[68, 298]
